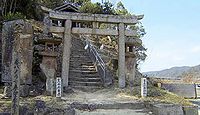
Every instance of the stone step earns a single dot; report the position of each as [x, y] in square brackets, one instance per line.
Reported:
[78, 49]
[75, 67]
[82, 72]
[75, 74]
[77, 42]
[82, 61]
[84, 79]
[73, 52]
[80, 58]
[77, 83]
[79, 54]
[85, 76]
[79, 71]
[75, 47]
[79, 64]
[88, 66]
[83, 69]
[75, 56]
[87, 88]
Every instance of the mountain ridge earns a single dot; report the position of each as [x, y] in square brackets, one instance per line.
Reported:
[176, 72]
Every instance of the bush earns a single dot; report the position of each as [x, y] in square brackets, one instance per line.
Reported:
[13, 16]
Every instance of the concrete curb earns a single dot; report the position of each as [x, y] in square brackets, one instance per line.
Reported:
[190, 110]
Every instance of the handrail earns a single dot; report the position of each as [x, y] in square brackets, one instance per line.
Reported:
[96, 57]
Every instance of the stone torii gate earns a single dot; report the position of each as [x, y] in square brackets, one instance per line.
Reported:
[95, 19]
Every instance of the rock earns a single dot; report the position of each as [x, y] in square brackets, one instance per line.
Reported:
[68, 90]
[40, 107]
[7, 91]
[40, 104]
[37, 88]
[69, 111]
[24, 91]
[25, 110]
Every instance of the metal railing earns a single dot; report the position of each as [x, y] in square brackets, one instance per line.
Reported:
[96, 58]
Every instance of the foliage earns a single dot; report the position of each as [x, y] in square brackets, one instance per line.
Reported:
[90, 7]
[121, 10]
[97, 8]
[139, 28]
[79, 2]
[50, 3]
[108, 8]
[13, 16]
[29, 8]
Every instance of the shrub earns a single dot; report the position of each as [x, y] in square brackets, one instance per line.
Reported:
[13, 16]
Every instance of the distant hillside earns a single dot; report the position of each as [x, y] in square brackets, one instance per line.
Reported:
[176, 72]
[192, 73]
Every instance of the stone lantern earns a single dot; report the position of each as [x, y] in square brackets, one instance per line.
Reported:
[130, 58]
[49, 61]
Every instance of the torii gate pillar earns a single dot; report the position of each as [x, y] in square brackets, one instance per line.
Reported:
[121, 54]
[66, 52]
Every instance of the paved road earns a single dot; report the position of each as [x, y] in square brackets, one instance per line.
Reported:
[196, 102]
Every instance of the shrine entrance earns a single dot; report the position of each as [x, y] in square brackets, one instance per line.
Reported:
[70, 19]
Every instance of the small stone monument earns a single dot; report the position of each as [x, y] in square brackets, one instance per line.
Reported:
[58, 87]
[143, 87]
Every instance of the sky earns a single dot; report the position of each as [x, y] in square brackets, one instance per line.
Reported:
[173, 32]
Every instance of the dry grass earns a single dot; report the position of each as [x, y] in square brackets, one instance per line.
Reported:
[156, 94]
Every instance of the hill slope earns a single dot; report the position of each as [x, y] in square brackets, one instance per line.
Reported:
[176, 72]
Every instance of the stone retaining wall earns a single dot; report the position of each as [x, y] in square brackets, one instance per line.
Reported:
[184, 90]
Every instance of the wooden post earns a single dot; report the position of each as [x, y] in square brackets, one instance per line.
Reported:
[121, 54]
[66, 52]
[15, 85]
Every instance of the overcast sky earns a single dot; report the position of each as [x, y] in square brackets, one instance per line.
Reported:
[173, 31]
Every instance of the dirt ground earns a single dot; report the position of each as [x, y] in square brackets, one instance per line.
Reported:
[107, 101]
[110, 95]
[112, 112]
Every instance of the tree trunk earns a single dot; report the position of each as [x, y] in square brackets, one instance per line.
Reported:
[11, 6]
[14, 7]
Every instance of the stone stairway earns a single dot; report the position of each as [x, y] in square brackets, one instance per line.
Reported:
[82, 72]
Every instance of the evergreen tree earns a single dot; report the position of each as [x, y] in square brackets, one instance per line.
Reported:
[89, 7]
[121, 10]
